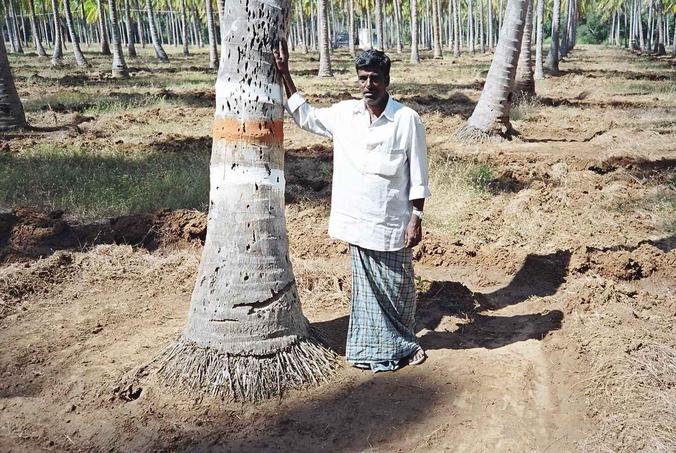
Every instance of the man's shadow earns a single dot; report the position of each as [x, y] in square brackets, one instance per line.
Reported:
[540, 275]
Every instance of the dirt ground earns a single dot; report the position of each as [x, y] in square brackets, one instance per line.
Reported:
[546, 286]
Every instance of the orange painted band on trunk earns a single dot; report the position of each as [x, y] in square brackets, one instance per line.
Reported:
[264, 132]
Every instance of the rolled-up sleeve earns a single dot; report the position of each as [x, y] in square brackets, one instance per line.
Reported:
[417, 157]
[315, 120]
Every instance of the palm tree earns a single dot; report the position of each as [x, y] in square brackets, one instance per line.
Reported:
[491, 114]
[211, 30]
[74, 39]
[539, 36]
[350, 29]
[159, 50]
[131, 49]
[103, 30]
[524, 86]
[246, 337]
[119, 65]
[436, 32]
[379, 24]
[324, 53]
[34, 30]
[184, 29]
[57, 52]
[415, 58]
[553, 57]
[11, 110]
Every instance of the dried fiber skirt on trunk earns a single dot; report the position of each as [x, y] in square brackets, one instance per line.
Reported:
[381, 333]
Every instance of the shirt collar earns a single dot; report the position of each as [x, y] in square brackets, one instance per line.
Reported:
[360, 107]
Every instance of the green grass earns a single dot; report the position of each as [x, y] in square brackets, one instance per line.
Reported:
[104, 183]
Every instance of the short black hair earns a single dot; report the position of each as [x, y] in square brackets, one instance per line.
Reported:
[374, 59]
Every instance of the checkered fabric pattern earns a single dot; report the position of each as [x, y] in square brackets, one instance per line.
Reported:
[382, 321]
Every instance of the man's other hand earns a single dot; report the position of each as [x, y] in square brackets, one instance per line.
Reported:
[282, 57]
[413, 233]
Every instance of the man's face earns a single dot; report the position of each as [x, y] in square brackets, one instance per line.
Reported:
[373, 85]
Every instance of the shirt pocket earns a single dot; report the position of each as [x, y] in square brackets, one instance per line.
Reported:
[385, 161]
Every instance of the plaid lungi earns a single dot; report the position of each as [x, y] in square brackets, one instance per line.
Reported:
[382, 322]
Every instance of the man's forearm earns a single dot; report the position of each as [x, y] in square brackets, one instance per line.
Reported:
[289, 86]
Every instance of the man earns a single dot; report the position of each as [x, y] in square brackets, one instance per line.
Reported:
[380, 183]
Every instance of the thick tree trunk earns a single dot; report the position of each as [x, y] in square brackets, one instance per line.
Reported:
[103, 30]
[324, 52]
[159, 50]
[553, 57]
[246, 337]
[11, 111]
[524, 86]
[119, 65]
[491, 114]
[415, 58]
[131, 49]
[74, 39]
[213, 49]
[539, 40]
[34, 29]
[57, 53]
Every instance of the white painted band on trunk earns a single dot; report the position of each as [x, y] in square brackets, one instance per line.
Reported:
[226, 175]
[268, 93]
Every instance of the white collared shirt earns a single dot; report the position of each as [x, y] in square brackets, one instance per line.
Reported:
[377, 168]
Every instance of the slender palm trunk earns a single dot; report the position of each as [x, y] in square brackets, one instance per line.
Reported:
[139, 24]
[152, 25]
[470, 26]
[524, 86]
[246, 337]
[491, 114]
[456, 27]
[131, 49]
[16, 38]
[397, 25]
[184, 29]
[34, 30]
[103, 30]
[415, 58]
[57, 53]
[74, 39]
[119, 65]
[211, 30]
[350, 28]
[11, 110]
[539, 36]
[553, 57]
[378, 10]
[436, 35]
[324, 52]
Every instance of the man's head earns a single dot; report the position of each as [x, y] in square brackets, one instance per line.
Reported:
[373, 73]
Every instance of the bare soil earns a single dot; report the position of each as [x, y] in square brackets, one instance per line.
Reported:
[546, 297]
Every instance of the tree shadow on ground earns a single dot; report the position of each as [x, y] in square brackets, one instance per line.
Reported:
[608, 73]
[455, 104]
[540, 275]
[354, 417]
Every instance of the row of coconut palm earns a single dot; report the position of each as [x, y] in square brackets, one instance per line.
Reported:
[642, 26]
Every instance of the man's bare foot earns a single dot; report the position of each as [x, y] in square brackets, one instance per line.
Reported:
[417, 357]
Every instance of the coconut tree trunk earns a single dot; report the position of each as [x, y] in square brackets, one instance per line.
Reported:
[184, 29]
[378, 11]
[103, 30]
[246, 337]
[415, 58]
[436, 35]
[324, 52]
[131, 49]
[470, 26]
[491, 36]
[397, 25]
[211, 29]
[456, 27]
[539, 36]
[74, 39]
[139, 24]
[660, 49]
[11, 110]
[524, 86]
[34, 30]
[57, 53]
[553, 57]
[13, 23]
[350, 28]
[119, 65]
[159, 50]
[491, 114]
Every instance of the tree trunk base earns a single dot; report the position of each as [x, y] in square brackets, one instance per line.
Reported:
[205, 371]
[471, 134]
